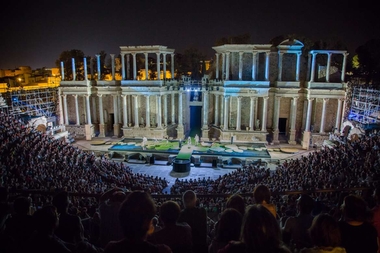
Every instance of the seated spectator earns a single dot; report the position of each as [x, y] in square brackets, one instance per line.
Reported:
[295, 231]
[176, 235]
[20, 225]
[325, 235]
[44, 240]
[109, 205]
[135, 216]
[237, 202]
[260, 233]
[228, 229]
[261, 194]
[358, 235]
[196, 217]
[70, 228]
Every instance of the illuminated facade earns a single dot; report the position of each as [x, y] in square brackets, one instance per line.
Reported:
[251, 93]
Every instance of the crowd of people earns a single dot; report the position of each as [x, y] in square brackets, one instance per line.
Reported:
[89, 203]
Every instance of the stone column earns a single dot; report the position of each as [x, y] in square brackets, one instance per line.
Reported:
[344, 64]
[180, 123]
[85, 68]
[147, 115]
[224, 66]
[102, 126]
[74, 69]
[217, 66]
[62, 71]
[159, 114]
[205, 110]
[165, 109]
[61, 119]
[241, 66]
[264, 119]
[116, 127]
[292, 137]
[128, 68]
[76, 110]
[254, 61]
[123, 66]
[312, 74]
[338, 115]
[93, 109]
[322, 129]
[308, 116]
[252, 116]
[173, 107]
[158, 66]
[172, 65]
[276, 118]
[136, 110]
[221, 110]
[65, 109]
[267, 54]
[216, 112]
[146, 66]
[238, 114]
[134, 66]
[89, 129]
[225, 117]
[228, 66]
[328, 67]
[125, 111]
[113, 66]
[280, 54]
[92, 68]
[98, 66]
[298, 66]
[164, 65]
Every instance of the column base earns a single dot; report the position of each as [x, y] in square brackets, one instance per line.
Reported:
[306, 140]
[292, 137]
[180, 132]
[275, 137]
[102, 130]
[89, 130]
[116, 130]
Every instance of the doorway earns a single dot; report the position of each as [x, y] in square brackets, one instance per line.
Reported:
[195, 121]
[282, 125]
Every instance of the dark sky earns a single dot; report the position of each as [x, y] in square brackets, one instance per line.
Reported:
[34, 33]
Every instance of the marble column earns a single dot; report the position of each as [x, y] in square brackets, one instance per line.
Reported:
[292, 137]
[228, 66]
[147, 115]
[88, 110]
[180, 122]
[62, 71]
[252, 116]
[128, 68]
[146, 66]
[241, 65]
[93, 109]
[134, 66]
[205, 110]
[224, 66]
[102, 126]
[298, 66]
[264, 118]
[226, 111]
[267, 54]
[74, 69]
[85, 68]
[312, 74]
[165, 109]
[279, 77]
[254, 62]
[217, 66]
[159, 113]
[173, 107]
[323, 116]
[136, 110]
[65, 109]
[89, 129]
[276, 118]
[308, 116]
[61, 118]
[116, 127]
[344, 64]
[338, 115]
[113, 66]
[164, 65]
[76, 110]
[122, 66]
[216, 112]
[158, 66]
[125, 111]
[328, 67]
[172, 66]
[238, 114]
[98, 66]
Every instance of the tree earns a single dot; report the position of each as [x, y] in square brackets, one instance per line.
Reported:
[366, 62]
[66, 58]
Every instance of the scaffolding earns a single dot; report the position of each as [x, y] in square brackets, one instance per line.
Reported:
[365, 106]
[33, 101]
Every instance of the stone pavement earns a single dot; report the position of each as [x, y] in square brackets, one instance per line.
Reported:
[161, 169]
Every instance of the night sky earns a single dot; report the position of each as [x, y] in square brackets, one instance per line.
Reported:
[34, 33]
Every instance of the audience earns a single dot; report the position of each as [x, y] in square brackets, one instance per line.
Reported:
[173, 234]
[261, 194]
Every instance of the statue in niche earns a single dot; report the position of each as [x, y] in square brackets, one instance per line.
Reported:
[189, 140]
[153, 121]
[196, 140]
[196, 96]
[257, 126]
[142, 122]
[144, 141]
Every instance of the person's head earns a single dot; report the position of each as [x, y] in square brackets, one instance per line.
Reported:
[61, 201]
[324, 231]
[169, 212]
[136, 214]
[354, 208]
[189, 198]
[21, 205]
[46, 219]
[229, 225]
[118, 196]
[260, 230]
[261, 193]
[237, 202]
[305, 204]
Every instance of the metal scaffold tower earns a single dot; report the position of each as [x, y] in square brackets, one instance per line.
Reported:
[365, 106]
[34, 101]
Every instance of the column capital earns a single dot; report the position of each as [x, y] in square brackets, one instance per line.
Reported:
[99, 95]
[310, 99]
[265, 98]
[147, 96]
[135, 95]
[325, 99]
[239, 97]
[295, 98]
[133, 53]
[123, 95]
[226, 96]
[112, 55]
[281, 53]
[253, 98]
[75, 95]
[278, 97]
[345, 54]
[341, 99]
[87, 95]
[64, 95]
[241, 53]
